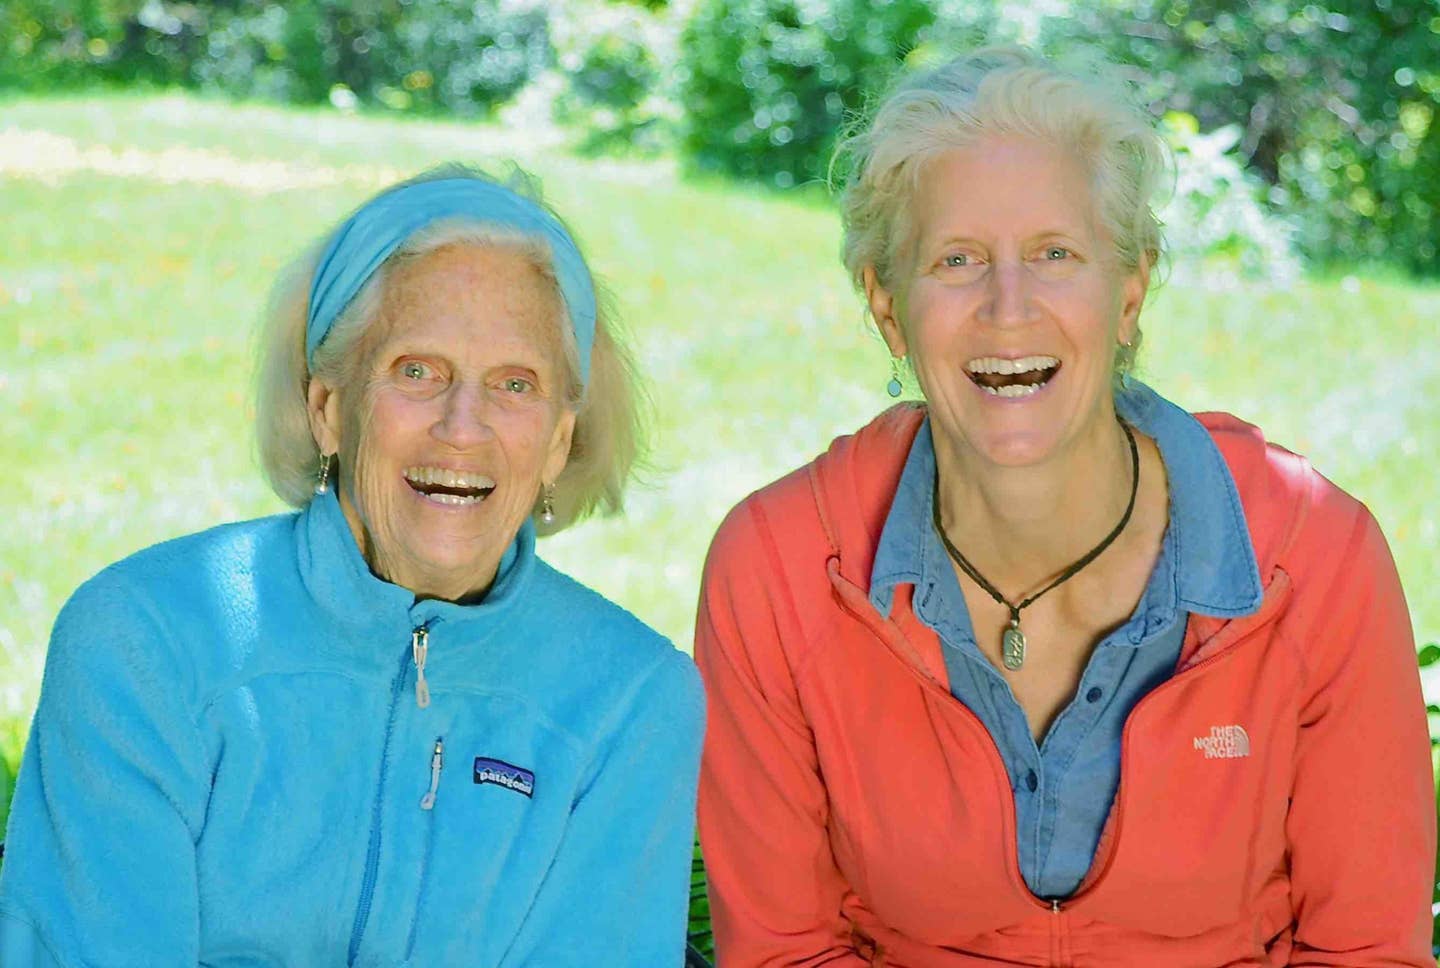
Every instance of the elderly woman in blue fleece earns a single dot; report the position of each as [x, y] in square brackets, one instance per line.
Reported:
[380, 731]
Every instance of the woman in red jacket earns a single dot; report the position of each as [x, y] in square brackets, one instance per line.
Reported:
[1048, 671]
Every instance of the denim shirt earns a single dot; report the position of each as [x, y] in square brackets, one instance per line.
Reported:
[1064, 787]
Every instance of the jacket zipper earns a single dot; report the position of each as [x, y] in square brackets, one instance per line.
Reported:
[419, 649]
[372, 855]
[427, 803]
[1056, 955]
[877, 627]
[437, 762]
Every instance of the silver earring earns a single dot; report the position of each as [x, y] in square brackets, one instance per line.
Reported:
[893, 387]
[547, 505]
[1125, 360]
[322, 479]
[1125, 357]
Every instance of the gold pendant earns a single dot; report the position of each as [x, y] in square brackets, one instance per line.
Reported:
[1012, 647]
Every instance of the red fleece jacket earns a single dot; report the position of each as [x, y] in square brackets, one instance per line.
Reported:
[1275, 803]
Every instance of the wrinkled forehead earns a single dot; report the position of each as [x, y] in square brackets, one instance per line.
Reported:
[507, 286]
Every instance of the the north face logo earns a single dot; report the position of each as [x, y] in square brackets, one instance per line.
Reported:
[1224, 743]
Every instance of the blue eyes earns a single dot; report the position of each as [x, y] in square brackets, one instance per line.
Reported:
[961, 260]
[417, 372]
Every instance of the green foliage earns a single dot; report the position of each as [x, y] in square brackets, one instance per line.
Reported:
[616, 60]
[1336, 102]
[1217, 217]
[462, 56]
[767, 84]
[12, 739]
[7, 790]
[698, 929]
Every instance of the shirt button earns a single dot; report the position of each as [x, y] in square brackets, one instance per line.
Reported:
[1094, 694]
[1031, 781]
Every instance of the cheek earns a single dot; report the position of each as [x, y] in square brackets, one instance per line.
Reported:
[373, 435]
[529, 432]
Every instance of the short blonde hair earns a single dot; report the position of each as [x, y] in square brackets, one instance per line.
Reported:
[1000, 90]
[610, 434]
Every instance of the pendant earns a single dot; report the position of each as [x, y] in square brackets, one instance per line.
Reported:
[1012, 646]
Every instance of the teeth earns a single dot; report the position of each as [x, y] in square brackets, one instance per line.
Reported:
[447, 478]
[1014, 390]
[454, 500]
[995, 364]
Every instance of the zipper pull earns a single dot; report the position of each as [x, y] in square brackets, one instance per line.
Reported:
[1054, 905]
[419, 646]
[437, 760]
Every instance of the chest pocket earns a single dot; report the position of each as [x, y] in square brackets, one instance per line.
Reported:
[498, 816]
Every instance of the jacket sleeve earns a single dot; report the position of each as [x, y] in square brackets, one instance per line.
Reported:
[1361, 825]
[100, 850]
[775, 890]
[618, 891]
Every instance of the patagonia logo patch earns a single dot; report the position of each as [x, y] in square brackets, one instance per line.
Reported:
[503, 774]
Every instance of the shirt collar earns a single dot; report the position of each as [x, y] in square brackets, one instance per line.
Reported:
[1215, 570]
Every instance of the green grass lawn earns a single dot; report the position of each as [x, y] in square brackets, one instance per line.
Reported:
[140, 235]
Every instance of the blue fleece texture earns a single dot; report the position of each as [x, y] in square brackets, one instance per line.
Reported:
[228, 760]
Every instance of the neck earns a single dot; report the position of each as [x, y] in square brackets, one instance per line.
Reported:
[467, 588]
[1021, 526]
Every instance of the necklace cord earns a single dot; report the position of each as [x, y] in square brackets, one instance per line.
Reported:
[1069, 572]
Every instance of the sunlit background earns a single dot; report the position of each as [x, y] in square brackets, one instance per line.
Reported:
[159, 162]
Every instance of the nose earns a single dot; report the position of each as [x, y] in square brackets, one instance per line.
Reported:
[463, 420]
[1009, 295]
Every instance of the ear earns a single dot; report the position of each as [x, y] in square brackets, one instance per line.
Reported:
[560, 442]
[882, 308]
[323, 410]
[1132, 296]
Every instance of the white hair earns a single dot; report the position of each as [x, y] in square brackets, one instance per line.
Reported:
[610, 432]
[1001, 90]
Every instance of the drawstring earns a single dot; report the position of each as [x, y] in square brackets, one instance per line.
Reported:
[419, 646]
[437, 760]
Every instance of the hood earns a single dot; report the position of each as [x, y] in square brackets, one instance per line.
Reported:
[854, 483]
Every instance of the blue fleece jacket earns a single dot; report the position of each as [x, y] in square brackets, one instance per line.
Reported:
[229, 766]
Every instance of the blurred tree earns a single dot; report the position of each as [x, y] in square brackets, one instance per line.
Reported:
[461, 56]
[767, 84]
[1336, 101]
[618, 63]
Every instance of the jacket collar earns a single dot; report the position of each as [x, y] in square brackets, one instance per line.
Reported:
[337, 577]
[1213, 570]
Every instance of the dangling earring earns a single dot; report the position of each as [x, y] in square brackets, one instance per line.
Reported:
[893, 387]
[547, 505]
[1125, 359]
[322, 479]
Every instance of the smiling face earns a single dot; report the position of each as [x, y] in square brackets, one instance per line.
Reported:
[454, 419]
[1010, 303]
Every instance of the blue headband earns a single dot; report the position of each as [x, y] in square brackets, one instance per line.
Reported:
[366, 240]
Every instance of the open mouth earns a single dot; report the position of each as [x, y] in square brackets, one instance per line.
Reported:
[450, 488]
[1012, 378]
